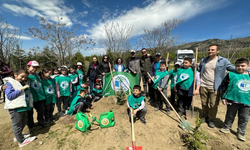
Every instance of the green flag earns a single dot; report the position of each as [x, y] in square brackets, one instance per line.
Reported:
[122, 80]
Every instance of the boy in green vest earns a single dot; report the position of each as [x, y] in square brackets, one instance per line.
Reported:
[161, 85]
[97, 92]
[235, 94]
[136, 103]
[172, 74]
[80, 103]
[184, 85]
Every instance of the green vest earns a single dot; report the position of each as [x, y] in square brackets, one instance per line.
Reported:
[158, 76]
[49, 87]
[135, 102]
[64, 85]
[239, 88]
[78, 89]
[185, 78]
[172, 74]
[80, 77]
[36, 88]
[73, 77]
[97, 90]
[28, 100]
[73, 105]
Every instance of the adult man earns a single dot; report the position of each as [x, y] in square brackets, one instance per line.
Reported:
[145, 63]
[133, 64]
[212, 71]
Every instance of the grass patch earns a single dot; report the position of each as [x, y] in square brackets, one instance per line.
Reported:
[74, 144]
[86, 133]
[60, 142]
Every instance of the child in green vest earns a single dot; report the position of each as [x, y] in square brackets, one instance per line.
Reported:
[74, 78]
[172, 74]
[55, 73]
[136, 103]
[184, 85]
[97, 92]
[18, 103]
[80, 103]
[236, 95]
[49, 87]
[63, 90]
[80, 73]
[37, 94]
[83, 86]
[160, 85]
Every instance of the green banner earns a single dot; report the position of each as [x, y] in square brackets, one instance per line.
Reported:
[122, 80]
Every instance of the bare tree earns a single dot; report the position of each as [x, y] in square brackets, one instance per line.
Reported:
[117, 37]
[9, 39]
[160, 38]
[234, 47]
[61, 38]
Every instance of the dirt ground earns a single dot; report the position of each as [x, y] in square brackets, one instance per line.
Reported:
[160, 133]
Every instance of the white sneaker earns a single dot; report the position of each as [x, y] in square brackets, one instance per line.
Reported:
[65, 112]
[25, 136]
[27, 141]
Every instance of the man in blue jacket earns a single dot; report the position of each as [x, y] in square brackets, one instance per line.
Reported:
[212, 71]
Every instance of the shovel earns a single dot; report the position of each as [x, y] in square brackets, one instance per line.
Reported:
[190, 113]
[184, 124]
[133, 147]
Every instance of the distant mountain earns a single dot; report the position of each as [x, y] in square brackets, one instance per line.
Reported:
[239, 43]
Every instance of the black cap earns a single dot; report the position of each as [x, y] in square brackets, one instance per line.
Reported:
[158, 54]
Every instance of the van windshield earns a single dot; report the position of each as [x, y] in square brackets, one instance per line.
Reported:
[182, 56]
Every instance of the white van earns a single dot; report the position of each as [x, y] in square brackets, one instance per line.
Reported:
[181, 54]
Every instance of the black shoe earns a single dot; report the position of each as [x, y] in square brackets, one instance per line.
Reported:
[206, 120]
[211, 124]
[168, 111]
[143, 121]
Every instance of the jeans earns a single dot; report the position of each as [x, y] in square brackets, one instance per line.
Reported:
[92, 84]
[19, 120]
[49, 109]
[40, 109]
[64, 100]
[160, 99]
[140, 114]
[243, 116]
[184, 101]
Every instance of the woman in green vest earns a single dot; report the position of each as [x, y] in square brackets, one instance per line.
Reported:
[80, 73]
[49, 87]
[63, 90]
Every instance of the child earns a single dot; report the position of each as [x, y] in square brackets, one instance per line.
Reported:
[80, 73]
[80, 103]
[184, 85]
[49, 87]
[83, 86]
[18, 106]
[74, 78]
[136, 103]
[161, 84]
[97, 92]
[37, 94]
[235, 94]
[55, 73]
[172, 74]
[63, 90]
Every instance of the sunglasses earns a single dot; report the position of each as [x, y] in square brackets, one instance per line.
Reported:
[144, 52]
[105, 58]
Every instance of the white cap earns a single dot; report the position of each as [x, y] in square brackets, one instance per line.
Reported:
[33, 63]
[132, 51]
[178, 63]
[79, 64]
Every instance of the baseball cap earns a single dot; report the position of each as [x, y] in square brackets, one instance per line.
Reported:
[158, 54]
[33, 63]
[178, 63]
[79, 64]
[132, 51]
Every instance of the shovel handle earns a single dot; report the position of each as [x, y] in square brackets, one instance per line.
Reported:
[132, 126]
[112, 77]
[167, 100]
[194, 85]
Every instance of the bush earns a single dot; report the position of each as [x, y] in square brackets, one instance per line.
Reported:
[120, 96]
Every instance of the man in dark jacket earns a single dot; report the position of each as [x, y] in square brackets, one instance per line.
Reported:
[134, 65]
[145, 63]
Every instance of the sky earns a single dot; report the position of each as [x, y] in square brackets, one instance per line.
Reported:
[203, 19]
